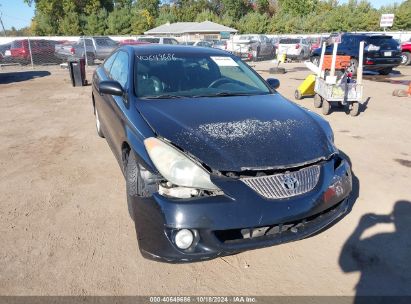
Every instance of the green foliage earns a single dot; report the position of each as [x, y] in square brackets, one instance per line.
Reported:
[117, 17]
[208, 15]
[141, 21]
[96, 23]
[254, 22]
[152, 6]
[236, 8]
[119, 21]
[166, 14]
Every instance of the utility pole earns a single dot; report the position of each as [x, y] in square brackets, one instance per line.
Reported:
[2, 25]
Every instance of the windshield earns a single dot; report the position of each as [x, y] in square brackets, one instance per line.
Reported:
[186, 75]
[289, 41]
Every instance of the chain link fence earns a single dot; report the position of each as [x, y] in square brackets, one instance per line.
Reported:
[35, 52]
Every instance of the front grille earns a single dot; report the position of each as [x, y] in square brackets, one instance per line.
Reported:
[285, 185]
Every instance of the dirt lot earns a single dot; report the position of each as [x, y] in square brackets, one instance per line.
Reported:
[65, 228]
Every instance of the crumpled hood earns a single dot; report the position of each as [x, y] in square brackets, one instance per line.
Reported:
[240, 132]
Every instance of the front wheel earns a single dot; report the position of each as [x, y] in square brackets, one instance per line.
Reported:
[355, 109]
[98, 124]
[315, 60]
[326, 107]
[318, 101]
[405, 58]
[297, 95]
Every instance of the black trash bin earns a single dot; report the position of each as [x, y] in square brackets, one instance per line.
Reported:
[77, 69]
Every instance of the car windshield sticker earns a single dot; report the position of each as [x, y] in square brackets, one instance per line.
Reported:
[157, 57]
[224, 61]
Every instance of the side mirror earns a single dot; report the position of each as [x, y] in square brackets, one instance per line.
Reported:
[110, 87]
[273, 83]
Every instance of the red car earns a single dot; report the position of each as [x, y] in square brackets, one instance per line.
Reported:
[406, 53]
[42, 51]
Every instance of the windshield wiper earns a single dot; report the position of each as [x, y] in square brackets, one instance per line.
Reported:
[164, 96]
[224, 94]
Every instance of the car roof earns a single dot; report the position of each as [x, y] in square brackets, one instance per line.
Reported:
[147, 49]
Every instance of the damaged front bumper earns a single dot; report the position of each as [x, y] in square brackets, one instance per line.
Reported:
[241, 219]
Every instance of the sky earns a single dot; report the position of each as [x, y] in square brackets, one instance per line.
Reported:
[18, 14]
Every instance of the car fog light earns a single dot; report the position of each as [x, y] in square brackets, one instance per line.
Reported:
[184, 239]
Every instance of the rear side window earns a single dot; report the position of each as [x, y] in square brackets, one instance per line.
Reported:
[119, 69]
[17, 44]
[382, 41]
[151, 40]
[109, 62]
[105, 42]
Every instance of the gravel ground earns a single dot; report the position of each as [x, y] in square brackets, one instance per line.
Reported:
[65, 229]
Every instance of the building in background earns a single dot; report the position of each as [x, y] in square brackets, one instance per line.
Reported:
[191, 31]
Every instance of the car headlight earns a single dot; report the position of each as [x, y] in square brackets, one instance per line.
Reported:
[176, 167]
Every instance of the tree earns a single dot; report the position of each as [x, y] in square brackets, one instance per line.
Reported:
[166, 14]
[96, 23]
[298, 7]
[254, 22]
[236, 8]
[262, 6]
[208, 15]
[141, 21]
[119, 22]
[151, 6]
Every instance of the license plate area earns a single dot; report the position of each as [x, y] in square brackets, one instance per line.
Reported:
[387, 54]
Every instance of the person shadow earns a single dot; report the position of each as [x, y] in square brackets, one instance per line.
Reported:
[384, 259]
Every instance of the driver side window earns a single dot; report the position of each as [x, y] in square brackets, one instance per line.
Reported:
[120, 69]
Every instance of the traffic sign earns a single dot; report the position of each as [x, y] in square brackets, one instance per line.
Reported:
[386, 20]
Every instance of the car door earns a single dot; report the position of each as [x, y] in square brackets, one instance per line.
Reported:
[116, 106]
[102, 73]
[265, 45]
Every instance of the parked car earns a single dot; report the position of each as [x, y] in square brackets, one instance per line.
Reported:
[406, 53]
[315, 42]
[294, 48]
[220, 44]
[381, 52]
[251, 47]
[4, 48]
[5, 52]
[159, 40]
[132, 42]
[97, 47]
[40, 50]
[215, 160]
[203, 43]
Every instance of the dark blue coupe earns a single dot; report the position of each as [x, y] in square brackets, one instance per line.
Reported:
[216, 161]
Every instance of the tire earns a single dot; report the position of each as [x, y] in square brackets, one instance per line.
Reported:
[318, 101]
[385, 71]
[326, 107]
[297, 95]
[354, 65]
[315, 60]
[98, 124]
[132, 176]
[405, 58]
[355, 109]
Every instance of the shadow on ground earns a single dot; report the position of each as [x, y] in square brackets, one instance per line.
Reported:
[383, 259]
[11, 77]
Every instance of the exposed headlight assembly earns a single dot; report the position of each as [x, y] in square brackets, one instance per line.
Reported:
[176, 167]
